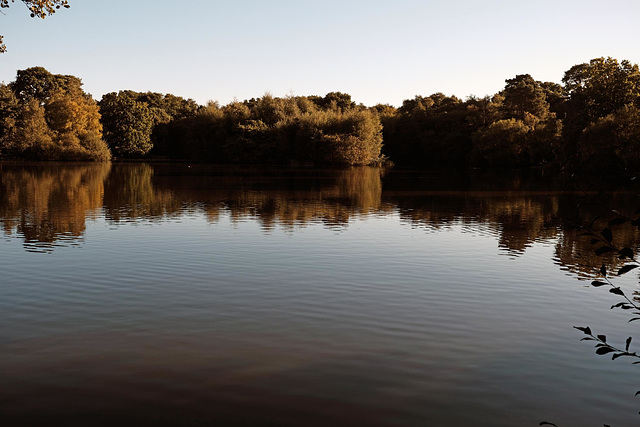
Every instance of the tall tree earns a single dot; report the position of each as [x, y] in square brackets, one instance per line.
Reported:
[127, 124]
[597, 89]
[46, 116]
[524, 97]
[38, 9]
[35, 83]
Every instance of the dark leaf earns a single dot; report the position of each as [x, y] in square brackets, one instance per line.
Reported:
[604, 350]
[615, 356]
[607, 234]
[586, 329]
[618, 221]
[634, 319]
[603, 250]
[626, 269]
[637, 392]
[622, 305]
[616, 291]
[603, 270]
[598, 283]
[602, 338]
[545, 423]
[594, 241]
[626, 252]
[628, 343]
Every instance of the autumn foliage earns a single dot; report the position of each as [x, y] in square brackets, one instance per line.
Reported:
[590, 122]
[46, 116]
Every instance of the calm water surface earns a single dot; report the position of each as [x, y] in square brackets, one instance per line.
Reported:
[200, 295]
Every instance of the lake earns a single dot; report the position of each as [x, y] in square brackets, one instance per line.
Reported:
[206, 295]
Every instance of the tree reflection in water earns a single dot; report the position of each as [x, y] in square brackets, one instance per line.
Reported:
[48, 205]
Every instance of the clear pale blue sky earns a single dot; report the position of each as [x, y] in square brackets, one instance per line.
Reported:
[378, 51]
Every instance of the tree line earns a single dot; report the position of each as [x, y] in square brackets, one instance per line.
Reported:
[590, 121]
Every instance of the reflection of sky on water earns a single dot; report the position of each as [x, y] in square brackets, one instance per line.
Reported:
[341, 283]
[379, 314]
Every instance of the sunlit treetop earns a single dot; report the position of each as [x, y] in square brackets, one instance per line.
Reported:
[38, 9]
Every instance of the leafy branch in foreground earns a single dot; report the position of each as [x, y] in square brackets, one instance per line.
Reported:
[37, 8]
[602, 347]
[603, 240]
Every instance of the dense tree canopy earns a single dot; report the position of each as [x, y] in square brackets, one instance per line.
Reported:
[524, 97]
[598, 88]
[304, 130]
[130, 118]
[127, 124]
[46, 116]
[37, 8]
[591, 122]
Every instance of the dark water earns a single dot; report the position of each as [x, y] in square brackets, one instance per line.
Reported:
[197, 295]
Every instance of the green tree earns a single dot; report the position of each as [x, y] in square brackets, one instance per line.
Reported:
[172, 106]
[35, 83]
[598, 88]
[337, 101]
[341, 138]
[481, 112]
[524, 97]
[38, 9]
[127, 124]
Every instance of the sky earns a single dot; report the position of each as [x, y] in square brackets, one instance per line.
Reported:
[377, 51]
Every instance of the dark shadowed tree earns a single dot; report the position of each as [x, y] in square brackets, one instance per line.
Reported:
[34, 83]
[432, 131]
[504, 143]
[556, 96]
[612, 143]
